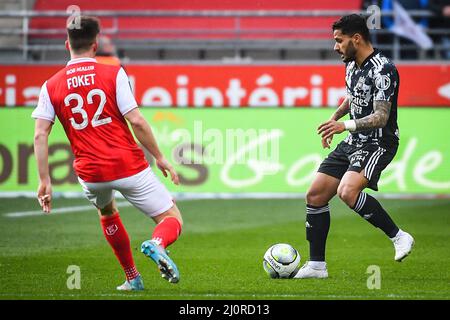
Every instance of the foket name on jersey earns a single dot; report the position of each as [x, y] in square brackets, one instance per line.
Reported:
[82, 80]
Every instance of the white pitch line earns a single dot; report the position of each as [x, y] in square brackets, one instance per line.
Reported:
[21, 214]
[196, 196]
[185, 196]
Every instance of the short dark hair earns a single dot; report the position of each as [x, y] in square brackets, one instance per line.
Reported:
[352, 24]
[82, 32]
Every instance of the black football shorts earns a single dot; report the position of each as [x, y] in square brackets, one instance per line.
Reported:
[371, 158]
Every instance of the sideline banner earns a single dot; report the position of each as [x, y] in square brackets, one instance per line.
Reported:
[236, 151]
[234, 86]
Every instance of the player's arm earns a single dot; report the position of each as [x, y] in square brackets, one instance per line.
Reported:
[377, 119]
[144, 134]
[341, 111]
[44, 114]
[41, 132]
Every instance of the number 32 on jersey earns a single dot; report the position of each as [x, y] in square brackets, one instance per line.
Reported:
[95, 122]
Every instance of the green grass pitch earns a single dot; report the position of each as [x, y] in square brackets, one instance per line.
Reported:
[220, 252]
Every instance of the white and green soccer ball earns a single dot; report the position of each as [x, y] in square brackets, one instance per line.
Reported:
[281, 261]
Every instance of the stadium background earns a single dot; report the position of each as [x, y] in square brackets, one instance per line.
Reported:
[203, 68]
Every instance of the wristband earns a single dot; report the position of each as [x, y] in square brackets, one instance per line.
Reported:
[350, 125]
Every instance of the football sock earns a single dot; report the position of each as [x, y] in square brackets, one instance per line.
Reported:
[117, 236]
[317, 226]
[399, 233]
[319, 265]
[370, 209]
[167, 231]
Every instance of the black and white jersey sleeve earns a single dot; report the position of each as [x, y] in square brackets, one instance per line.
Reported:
[385, 80]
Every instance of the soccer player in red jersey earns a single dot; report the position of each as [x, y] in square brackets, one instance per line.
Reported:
[94, 104]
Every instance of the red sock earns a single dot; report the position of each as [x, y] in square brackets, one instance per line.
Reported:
[167, 231]
[117, 236]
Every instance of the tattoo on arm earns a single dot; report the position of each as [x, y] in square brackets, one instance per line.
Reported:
[342, 110]
[377, 119]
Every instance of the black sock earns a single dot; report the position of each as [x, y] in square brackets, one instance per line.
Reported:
[317, 226]
[370, 209]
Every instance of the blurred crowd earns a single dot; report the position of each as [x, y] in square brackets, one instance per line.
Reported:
[436, 24]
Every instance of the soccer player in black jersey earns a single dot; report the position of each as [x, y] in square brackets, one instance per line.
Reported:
[372, 83]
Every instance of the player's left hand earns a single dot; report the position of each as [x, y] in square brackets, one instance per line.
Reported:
[45, 196]
[329, 128]
[165, 166]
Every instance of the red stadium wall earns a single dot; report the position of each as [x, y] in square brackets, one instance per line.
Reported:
[197, 4]
[237, 86]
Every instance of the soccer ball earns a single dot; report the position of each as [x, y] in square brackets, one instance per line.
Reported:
[281, 261]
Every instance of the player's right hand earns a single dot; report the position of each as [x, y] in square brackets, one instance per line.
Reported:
[44, 196]
[327, 142]
[165, 166]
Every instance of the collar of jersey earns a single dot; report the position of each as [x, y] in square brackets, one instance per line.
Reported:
[80, 60]
[375, 51]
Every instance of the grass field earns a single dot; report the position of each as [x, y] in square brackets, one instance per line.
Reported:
[220, 252]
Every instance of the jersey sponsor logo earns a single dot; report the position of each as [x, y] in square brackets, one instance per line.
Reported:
[359, 102]
[80, 69]
[382, 82]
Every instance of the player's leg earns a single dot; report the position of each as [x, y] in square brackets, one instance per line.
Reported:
[117, 237]
[101, 196]
[167, 230]
[321, 191]
[168, 226]
[351, 188]
[350, 191]
[149, 195]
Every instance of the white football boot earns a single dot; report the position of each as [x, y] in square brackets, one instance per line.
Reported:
[403, 243]
[310, 270]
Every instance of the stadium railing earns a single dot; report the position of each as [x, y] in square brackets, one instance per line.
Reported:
[36, 42]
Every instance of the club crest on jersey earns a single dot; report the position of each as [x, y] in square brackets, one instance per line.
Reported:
[112, 229]
[361, 82]
[382, 82]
